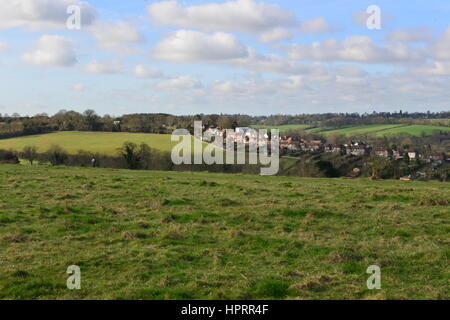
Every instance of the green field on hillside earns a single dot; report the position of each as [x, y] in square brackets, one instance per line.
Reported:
[382, 129]
[353, 130]
[415, 130]
[373, 129]
[182, 235]
[97, 142]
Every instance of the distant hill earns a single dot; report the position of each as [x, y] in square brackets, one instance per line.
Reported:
[371, 129]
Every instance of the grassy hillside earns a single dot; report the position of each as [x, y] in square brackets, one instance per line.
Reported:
[416, 130]
[373, 129]
[353, 130]
[101, 142]
[382, 129]
[172, 235]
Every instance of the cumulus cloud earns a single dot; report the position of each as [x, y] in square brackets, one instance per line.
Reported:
[104, 67]
[246, 16]
[317, 25]
[270, 63]
[115, 34]
[440, 68]
[243, 89]
[141, 71]
[296, 83]
[180, 83]
[276, 34]
[36, 15]
[228, 87]
[51, 50]
[188, 46]
[358, 49]
[442, 47]
[419, 34]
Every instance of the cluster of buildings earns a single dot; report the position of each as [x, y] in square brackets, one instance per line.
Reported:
[290, 145]
[240, 135]
[295, 146]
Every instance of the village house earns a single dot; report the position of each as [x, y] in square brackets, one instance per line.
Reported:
[358, 149]
[396, 155]
[412, 155]
[383, 152]
[289, 144]
[315, 146]
[211, 132]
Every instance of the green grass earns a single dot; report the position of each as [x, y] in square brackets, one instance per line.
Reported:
[415, 130]
[97, 142]
[382, 129]
[373, 129]
[353, 130]
[182, 235]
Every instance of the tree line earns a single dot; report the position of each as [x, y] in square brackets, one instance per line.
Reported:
[16, 125]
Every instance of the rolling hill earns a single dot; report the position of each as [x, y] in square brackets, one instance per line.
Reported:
[374, 129]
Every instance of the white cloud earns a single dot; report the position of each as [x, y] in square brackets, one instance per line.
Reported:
[51, 50]
[442, 47]
[78, 87]
[115, 34]
[141, 71]
[317, 25]
[419, 34]
[36, 15]
[246, 16]
[243, 89]
[179, 83]
[186, 45]
[435, 68]
[4, 46]
[229, 88]
[272, 63]
[356, 48]
[104, 67]
[276, 34]
[296, 83]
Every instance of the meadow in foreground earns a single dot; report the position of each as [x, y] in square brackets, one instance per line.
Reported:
[177, 235]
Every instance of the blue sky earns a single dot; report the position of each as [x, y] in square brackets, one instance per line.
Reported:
[236, 56]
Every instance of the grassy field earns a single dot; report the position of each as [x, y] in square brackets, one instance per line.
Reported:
[353, 130]
[416, 130]
[175, 235]
[97, 142]
[382, 129]
[374, 129]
